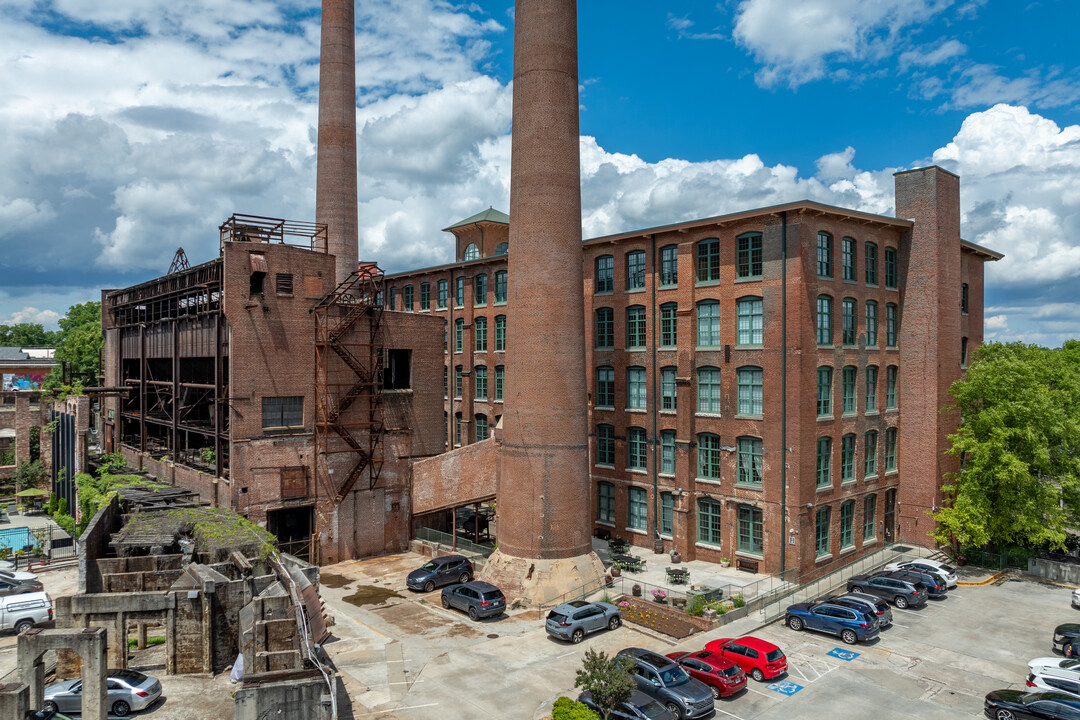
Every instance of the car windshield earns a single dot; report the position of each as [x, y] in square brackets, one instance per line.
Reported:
[653, 709]
[673, 676]
[731, 671]
[493, 595]
[430, 566]
[1067, 664]
[774, 655]
[132, 677]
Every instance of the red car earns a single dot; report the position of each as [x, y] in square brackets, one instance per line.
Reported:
[723, 677]
[759, 659]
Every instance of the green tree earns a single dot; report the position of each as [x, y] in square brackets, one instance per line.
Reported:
[567, 709]
[29, 474]
[606, 679]
[1019, 446]
[26, 335]
[79, 342]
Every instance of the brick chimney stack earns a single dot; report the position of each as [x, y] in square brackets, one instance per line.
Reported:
[543, 456]
[335, 190]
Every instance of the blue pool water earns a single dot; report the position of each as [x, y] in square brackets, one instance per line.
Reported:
[16, 538]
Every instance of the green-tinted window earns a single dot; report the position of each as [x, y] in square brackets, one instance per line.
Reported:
[709, 456]
[708, 260]
[751, 535]
[708, 323]
[748, 262]
[605, 274]
[500, 286]
[824, 462]
[457, 381]
[709, 391]
[749, 321]
[821, 532]
[480, 334]
[667, 511]
[500, 380]
[635, 270]
[500, 333]
[636, 446]
[425, 296]
[890, 449]
[824, 254]
[667, 388]
[480, 378]
[890, 387]
[605, 328]
[849, 319]
[669, 265]
[892, 322]
[750, 391]
[605, 386]
[847, 524]
[605, 502]
[870, 451]
[635, 388]
[442, 295]
[480, 290]
[481, 427]
[871, 264]
[824, 391]
[849, 379]
[871, 388]
[848, 258]
[710, 529]
[871, 323]
[635, 326]
[459, 291]
[667, 451]
[459, 335]
[847, 458]
[638, 513]
[891, 273]
[824, 320]
[668, 331]
[869, 511]
[750, 460]
[605, 445]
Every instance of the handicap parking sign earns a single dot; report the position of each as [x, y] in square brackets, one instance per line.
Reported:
[843, 654]
[784, 687]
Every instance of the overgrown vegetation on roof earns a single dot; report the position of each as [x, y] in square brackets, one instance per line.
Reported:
[213, 530]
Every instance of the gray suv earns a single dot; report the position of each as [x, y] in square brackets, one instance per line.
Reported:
[663, 679]
[478, 598]
[573, 620]
[440, 571]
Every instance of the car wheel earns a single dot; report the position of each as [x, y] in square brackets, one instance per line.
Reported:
[715, 692]
[429, 586]
[1003, 714]
[857, 588]
[446, 602]
[121, 709]
[23, 625]
[577, 636]
[757, 674]
[675, 710]
[849, 637]
[795, 623]
[472, 614]
[464, 578]
[50, 706]
[900, 602]
[614, 622]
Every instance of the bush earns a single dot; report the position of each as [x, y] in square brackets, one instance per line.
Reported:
[66, 523]
[696, 606]
[738, 600]
[567, 709]
[50, 507]
[61, 506]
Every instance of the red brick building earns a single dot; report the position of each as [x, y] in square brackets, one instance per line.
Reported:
[714, 344]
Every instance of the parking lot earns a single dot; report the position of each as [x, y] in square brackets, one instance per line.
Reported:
[407, 657]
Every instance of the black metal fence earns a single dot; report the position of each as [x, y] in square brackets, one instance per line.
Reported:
[26, 545]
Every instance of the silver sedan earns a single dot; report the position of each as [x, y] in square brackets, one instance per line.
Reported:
[128, 691]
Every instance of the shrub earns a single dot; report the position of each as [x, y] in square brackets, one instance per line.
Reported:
[61, 506]
[66, 523]
[567, 709]
[738, 600]
[696, 606]
[51, 505]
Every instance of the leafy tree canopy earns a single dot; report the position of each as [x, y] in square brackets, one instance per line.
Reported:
[79, 342]
[27, 335]
[1019, 445]
[607, 679]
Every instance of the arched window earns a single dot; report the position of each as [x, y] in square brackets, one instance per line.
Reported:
[605, 274]
[635, 270]
[750, 460]
[480, 382]
[502, 248]
[481, 428]
[710, 529]
[605, 502]
[708, 323]
[708, 260]
[605, 446]
[471, 252]
[480, 290]
[750, 390]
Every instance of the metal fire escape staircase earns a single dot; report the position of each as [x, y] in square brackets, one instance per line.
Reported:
[349, 379]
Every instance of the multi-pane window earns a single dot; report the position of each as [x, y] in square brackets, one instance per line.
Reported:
[708, 390]
[890, 268]
[708, 260]
[849, 321]
[669, 265]
[635, 448]
[749, 460]
[393, 299]
[635, 270]
[668, 332]
[890, 449]
[821, 532]
[964, 298]
[459, 291]
[871, 388]
[500, 333]
[667, 512]
[749, 321]
[480, 382]
[849, 379]
[847, 524]
[870, 452]
[963, 352]
[871, 264]
[500, 380]
[869, 522]
[890, 387]
[891, 319]
[635, 326]
[441, 298]
[471, 252]
[847, 458]
[708, 323]
[445, 337]
[667, 451]
[481, 427]
[824, 254]
[824, 320]
[748, 258]
[500, 286]
[458, 374]
[425, 296]
[848, 258]
[750, 391]
[282, 412]
[824, 462]
[871, 323]
[751, 535]
[635, 388]
[480, 290]
[502, 248]
[605, 386]
[445, 382]
[667, 388]
[480, 334]
[459, 335]
[457, 428]
[824, 391]
[605, 274]
[710, 529]
[605, 445]
[708, 453]
[605, 328]
[605, 502]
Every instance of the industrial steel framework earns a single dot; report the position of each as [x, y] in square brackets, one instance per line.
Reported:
[349, 380]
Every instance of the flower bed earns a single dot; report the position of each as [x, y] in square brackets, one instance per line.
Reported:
[661, 618]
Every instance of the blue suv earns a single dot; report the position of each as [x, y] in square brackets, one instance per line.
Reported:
[851, 624]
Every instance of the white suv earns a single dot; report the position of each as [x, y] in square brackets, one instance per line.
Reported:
[22, 612]
[1064, 680]
[924, 565]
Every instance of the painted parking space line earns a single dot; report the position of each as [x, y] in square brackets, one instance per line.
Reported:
[727, 713]
[397, 709]
[760, 693]
[572, 652]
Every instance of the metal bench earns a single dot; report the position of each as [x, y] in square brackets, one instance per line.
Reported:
[750, 566]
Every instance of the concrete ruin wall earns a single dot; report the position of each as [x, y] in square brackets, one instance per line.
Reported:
[285, 694]
[94, 544]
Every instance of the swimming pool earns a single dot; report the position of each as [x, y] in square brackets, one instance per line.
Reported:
[16, 538]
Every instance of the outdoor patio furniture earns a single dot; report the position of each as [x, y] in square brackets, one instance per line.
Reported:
[618, 545]
[678, 576]
[628, 562]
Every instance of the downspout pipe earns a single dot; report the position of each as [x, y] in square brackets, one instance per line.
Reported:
[658, 543]
[783, 395]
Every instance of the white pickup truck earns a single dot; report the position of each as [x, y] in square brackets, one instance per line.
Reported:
[22, 612]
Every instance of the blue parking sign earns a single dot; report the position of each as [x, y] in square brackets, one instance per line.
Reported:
[843, 654]
[784, 687]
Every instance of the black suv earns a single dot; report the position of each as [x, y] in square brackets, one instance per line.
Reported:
[901, 593]
[440, 571]
[936, 586]
[663, 679]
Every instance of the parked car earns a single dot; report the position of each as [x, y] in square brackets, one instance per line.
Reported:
[1017, 705]
[127, 691]
[575, 619]
[1057, 679]
[17, 587]
[478, 598]
[901, 593]
[1064, 634]
[925, 565]
[759, 659]
[18, 576]
[22, 612]
[852, 625]
[936, 587]
[871, 603]
[723, 676]
[662, 679]
[440, 571]
[1053, 662]
[639, 707]
[1076, 598]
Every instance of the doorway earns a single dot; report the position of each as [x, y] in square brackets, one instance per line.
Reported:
[292, 527]
[890, 515]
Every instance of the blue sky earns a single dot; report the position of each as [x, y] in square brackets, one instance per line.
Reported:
[131, 127]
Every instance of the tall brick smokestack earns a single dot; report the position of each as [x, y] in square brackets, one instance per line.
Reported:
[543, 456]
[335, 190]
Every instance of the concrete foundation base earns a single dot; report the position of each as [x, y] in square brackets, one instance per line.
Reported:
[529, 581]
